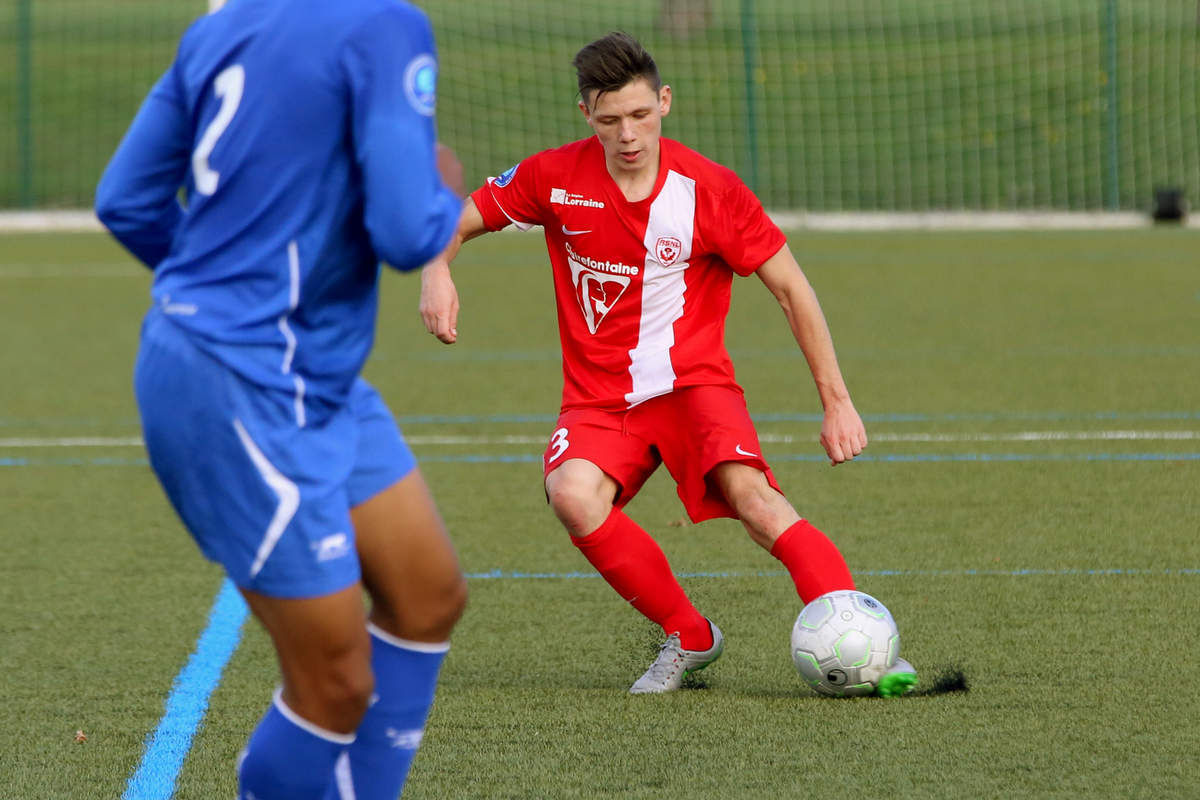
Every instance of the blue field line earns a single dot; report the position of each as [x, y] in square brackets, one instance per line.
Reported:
[900, 458]
[983, 416]
[517, 575]
[532, 458]
[168, 745]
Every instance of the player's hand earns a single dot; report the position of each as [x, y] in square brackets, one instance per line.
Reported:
[843, 434]
[439, 302]
[451, 169]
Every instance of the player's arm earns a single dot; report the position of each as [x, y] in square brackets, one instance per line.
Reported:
[842, 432]
[510, 199]
[391, 68]
[137, 197]
[439, 296]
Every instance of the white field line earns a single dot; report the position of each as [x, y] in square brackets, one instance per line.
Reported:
[1035, 436]
[74, 441]
[73, 271]
[770, 438]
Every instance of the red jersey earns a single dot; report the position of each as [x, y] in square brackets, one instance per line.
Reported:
[642, 288]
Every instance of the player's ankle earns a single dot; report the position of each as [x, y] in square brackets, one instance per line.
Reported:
[695, 634]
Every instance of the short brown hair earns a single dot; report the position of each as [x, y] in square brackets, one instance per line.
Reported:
[611, 62]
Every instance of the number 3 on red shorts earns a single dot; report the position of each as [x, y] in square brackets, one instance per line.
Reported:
[560, 444]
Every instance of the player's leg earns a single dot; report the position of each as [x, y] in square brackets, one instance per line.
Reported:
[814, 563]
[233, 473]
[418, 593]
[324, 659]
[709, 443]
[411, 572]
[633, 564]
[711, 447]
[409, 565]
[625, 555]
[586, 452]
[812, 560]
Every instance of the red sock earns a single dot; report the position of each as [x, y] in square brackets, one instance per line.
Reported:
[814, 562]
[633, 564]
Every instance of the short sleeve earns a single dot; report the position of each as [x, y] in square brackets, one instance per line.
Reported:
[745, 237]
[511, 197]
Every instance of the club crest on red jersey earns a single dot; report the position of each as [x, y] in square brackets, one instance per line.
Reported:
[667, 249]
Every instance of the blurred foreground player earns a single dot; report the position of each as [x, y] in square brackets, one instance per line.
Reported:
[302, 135]
[644, 237]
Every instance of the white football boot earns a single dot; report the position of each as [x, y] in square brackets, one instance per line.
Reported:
[674, 664]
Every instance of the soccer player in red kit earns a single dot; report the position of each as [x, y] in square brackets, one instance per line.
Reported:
[644, 237]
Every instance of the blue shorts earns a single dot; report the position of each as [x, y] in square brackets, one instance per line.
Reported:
[264, 496]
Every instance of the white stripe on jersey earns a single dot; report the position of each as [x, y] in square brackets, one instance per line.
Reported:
[342, 777]
[521, 226]
[286, 329]
[672, 214]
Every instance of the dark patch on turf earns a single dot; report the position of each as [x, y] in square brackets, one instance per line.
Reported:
[945, 681]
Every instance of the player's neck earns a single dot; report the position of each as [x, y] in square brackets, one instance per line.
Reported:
[636, 184]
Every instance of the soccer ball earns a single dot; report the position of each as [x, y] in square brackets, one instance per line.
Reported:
[843, 642]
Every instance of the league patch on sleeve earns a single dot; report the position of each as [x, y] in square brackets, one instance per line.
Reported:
[506, 176]
[420, 84]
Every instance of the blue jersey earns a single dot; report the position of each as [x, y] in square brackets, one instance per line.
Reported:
[301, 134]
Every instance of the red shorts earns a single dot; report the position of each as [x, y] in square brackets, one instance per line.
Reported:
[690, 430]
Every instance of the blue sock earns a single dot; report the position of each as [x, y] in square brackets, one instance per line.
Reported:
[406, 673]
[289, 758]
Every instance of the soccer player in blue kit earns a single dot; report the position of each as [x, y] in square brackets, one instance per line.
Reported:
[301, 133]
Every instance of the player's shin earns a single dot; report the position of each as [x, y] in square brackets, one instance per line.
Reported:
[289, 758]
[631, 562]
[813, 561]
[406, 674]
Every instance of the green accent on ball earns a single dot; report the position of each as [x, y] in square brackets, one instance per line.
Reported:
[811, 658]
[837, 649]
[810, 610]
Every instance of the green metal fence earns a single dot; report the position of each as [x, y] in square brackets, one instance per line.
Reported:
[821, 105]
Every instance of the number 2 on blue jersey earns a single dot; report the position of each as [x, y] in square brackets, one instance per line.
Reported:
[227, 86]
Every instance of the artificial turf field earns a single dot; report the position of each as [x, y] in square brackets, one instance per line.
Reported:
[1028, 509]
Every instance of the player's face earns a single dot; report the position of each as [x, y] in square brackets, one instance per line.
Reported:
[628, 123]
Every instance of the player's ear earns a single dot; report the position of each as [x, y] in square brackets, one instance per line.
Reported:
[587, 114]
[587, 101]
[664, 100]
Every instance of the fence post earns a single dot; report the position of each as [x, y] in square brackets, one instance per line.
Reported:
[749, 59]
[1113, 120]
[25, 102]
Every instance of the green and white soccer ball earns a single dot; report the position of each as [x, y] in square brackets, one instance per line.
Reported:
[843, 642]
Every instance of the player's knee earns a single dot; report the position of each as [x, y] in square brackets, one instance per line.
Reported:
[581, 496]
[764, 511]
[579, 510]
[565, 505]
[428, 618]
[334, 693]
[351, 689]
[444, 610]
